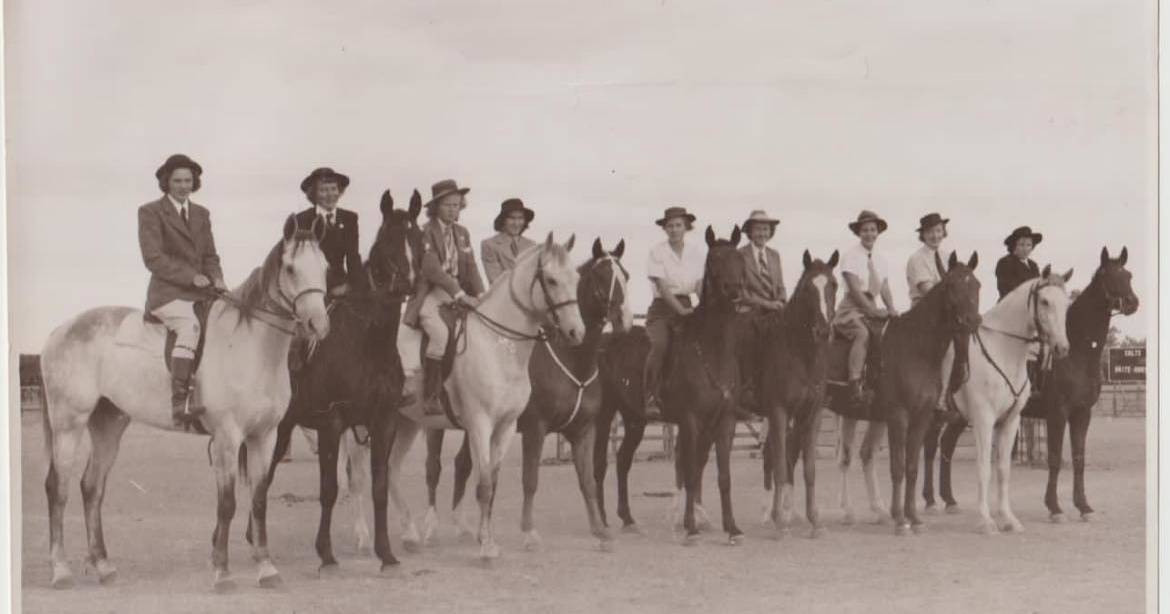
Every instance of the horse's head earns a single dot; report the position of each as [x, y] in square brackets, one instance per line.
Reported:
[558, 279]
[815, 296]
[602, 290]
[1049, 301]
[723, 276]
[1115, 282]
[300, 279]
[961, 293]
[397, 250]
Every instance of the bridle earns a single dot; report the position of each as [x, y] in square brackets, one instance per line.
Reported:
[617, 268]
[552, 309]
[1034, 308]
[284, 308]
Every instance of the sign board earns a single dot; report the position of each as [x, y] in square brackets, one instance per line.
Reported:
[1127, 364]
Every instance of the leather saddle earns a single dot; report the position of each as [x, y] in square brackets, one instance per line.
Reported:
[455, 317]
[201, 310]
[838, 390]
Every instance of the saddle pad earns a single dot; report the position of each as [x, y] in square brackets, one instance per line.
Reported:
[201, 310]
[414, 411]
[150, 338]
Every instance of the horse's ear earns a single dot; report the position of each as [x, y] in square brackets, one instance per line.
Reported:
[569, 244]
[736, 235]
[1124, 256]
[807, 259]
[1046, 272]
[952, 261]
[598, 252]
[548, 241]
[973, 261]
[319, 228]
[834, 259]
[387, 204]
[1104, 256]
[1067, 276]
[710, 237]
[290, 226]
[415, 205]
[620, 249]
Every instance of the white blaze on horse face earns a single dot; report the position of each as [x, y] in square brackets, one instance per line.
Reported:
[307, 263]
[1051, 309]
[619, 279]
[409, 255]
[819, 282]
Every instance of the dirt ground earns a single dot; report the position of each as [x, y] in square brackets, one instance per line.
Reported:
[159, 512]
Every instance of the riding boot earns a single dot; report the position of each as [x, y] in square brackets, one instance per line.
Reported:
[433, 387]
[181, 414]
[653, 408]
[857, 388]
[407, 398]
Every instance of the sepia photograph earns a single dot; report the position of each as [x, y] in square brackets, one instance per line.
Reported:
[543, 306]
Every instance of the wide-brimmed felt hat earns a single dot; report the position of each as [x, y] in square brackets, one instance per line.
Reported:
[868, 216]
[443, 188]
[324, 174]
[759, 216]
[178, 161]
[510, 206]
[930, 220]
[1020, 233]
[673, 212]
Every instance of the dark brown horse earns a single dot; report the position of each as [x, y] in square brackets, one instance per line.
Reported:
[355, 376]
[912, 352]
[793, 355]
[566, 391]
[700, 390]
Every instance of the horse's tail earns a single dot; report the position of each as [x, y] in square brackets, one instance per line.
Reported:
[45, 424]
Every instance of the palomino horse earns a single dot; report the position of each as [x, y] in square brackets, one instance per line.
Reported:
[566, 393]
[700, 387]
[997, 385]
[793, 353]
[912, 350]
[355, 376]
[489, 385]
[105, 366]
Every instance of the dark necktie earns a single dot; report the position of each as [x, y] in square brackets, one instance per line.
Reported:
[515, 247]
[874, 287]
[764, 268]
[329, 219]
[183, 214]
[942, 272]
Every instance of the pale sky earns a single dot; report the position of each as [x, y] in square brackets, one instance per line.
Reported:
[994, 113]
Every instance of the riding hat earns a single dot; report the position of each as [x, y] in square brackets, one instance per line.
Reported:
[930, 220]
[444, 188]
[178, 161]
[868, 216]
[324, 174]
[510, 206]
[673, 212]
[759, 216]
[1020, 233]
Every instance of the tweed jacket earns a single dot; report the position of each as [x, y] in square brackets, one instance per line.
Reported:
[466, 276]
[175, 251]
[759, 289]
[497, 254]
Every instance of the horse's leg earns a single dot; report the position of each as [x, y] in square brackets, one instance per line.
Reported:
[383, 435]
[283, 437]
[224, 459]
[631, 439]
[434, 465]
[846, 431]
[583, 449]
[1056, 425]
[405, 431]
[811, 426]
[462, 473]
[1006, 435]
[106, 425]
[687, 469]
[479, 435]
[781, 490]
[602, 422]
[723, 439]
[769, 471]
[1078, 430]
[950, 439]
[357, 466]
[328, 440]
[64, 441]
[983, 428]
[259, 454]
[896, 423]
[874, 433]
[532, 444]
[929, 451]
[705, 442]
[919, 422]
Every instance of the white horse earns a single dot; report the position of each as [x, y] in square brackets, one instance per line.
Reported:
[997, 386]
[106, 366]
[489, 384]
[871, 442]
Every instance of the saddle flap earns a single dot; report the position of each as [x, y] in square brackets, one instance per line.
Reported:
[148, 332]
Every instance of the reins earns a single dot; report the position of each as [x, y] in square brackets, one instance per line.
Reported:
[1034, 307]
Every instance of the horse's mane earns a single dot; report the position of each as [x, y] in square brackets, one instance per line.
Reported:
[558, 253]
[254, 291]
[1084, 319]
[920, 324]
[705, 300]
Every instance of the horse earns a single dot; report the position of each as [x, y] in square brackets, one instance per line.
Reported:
[566, 395]
[489, 385]
[997, 386]
[1071, 389]
[105, 367]
[792, 353]
[355, 377]
[702, 380]
[913, 351]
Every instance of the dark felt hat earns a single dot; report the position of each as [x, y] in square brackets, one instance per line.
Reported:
[510, 206]
[324, 174]
[673, 212]
[178, 161]
[1020, 233]
[868, 216]
[444, 188]
[930, 220]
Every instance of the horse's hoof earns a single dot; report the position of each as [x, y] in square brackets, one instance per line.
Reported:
[364, 545]
[818, 532]
[532, 541]
[1011, 526]
[1057, 518]
[735, 540]
[848, 519]
[931, 509]
[389, 566]
[918, 528]
[412, 546]
[880, 519]
[633, 528]
[268, 576]
[902, 528]
[1087, 516]
[988, 528]
[953, 508]
[691, 539]
[62, 577]
[328, 570]
[489, 551]
[222, 581]
[605, 544]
